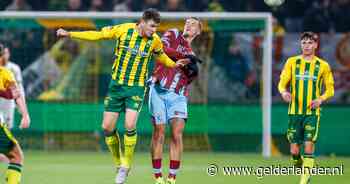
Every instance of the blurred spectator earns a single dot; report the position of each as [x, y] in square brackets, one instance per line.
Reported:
[215, 6]
[75, 5]
[236, 65]
[19, 5]
[341, 15]
[174, 5]
[123, 5]
[295, 12]
[318, 18]
[151, 4]
[97, 5]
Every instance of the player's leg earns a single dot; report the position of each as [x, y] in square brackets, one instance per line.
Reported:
[111, 136]
[295, 137]
[13, 172]
[133, 104]
[12, 150]
[311, 126]
[177, 113]
[113, 105]
[158, 112]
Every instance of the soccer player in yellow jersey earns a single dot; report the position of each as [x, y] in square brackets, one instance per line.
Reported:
[136, 43]
[8, 144]
[306, 74]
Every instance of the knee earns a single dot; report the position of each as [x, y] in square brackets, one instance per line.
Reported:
[294, 150]
[176, 136]
[159, 134]
[130, 126]
[16, 156]
[309, 148]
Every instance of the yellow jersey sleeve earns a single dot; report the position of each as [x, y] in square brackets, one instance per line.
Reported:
[7, 79]
[161, 56]
[329, 83]
[108, 32]
[285, 76]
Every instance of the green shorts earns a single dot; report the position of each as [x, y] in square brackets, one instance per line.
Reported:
[7, 141]
[121, 97]
[302, 128]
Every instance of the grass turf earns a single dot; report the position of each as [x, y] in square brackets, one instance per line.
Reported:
[96, 168]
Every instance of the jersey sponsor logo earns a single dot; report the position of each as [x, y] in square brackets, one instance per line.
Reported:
[135, 51]
[306, 77]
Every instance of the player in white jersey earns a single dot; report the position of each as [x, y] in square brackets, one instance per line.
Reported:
[7, 107]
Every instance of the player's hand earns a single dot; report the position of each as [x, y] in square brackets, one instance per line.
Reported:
[182, 62]
[62, 33]
[316, 103]
[25, 122]
[287, 97]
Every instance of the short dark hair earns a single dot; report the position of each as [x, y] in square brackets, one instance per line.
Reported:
[2, 49]
[151, 14]
[309, 35]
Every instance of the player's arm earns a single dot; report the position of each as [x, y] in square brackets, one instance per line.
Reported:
[163, 58]
[329, 84]
[167, 40]
[19, 79]
[105, 33]
[329, 88]
[285, 78]
[22, 108]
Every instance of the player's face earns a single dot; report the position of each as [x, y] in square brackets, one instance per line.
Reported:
[191, 28]
[308, 46]
[7, 54]
[148, 27]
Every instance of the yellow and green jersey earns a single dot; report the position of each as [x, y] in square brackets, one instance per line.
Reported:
[133, 52]
[6, 79]
[306, 79]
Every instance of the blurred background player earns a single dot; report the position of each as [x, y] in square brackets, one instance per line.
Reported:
[305, 73]
[7, 107]
[8, 144]
[136, 43]
[168, 97]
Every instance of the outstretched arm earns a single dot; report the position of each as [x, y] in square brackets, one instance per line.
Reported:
[105, 33]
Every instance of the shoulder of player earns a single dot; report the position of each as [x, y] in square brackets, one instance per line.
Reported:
[6, 73]
[293, 58]
[14, 66]
[123, 26]
[322, 61]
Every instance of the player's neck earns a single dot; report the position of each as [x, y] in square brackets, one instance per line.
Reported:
[308, 57]
[140, 31]
[188, 38]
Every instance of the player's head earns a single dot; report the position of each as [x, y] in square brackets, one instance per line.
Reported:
[308, 42]
[7, 54]
[193, 27]
[149, 22]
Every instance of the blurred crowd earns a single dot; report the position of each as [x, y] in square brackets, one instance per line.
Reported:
[293, 15]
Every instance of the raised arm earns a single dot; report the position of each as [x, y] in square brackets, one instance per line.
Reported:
[163, 58]
[105, 33]
[168, 38]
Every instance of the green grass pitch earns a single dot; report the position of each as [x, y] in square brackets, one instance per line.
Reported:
[96, 168]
